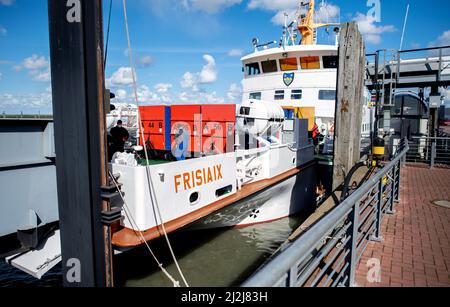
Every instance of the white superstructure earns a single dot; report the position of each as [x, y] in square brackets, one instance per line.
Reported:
[294, 76]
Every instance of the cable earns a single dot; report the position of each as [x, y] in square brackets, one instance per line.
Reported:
[107, 34]
[136, 230]
[130, 54]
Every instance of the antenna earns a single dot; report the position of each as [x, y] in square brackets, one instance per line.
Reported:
[404, 27]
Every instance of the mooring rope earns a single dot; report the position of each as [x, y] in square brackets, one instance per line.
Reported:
[130, 55]
[135, 227]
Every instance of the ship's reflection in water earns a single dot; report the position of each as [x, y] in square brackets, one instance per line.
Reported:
[218, 257]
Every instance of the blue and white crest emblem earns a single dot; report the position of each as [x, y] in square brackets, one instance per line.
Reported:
[288, 78]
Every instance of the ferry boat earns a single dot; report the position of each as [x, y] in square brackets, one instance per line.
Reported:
[234, 165]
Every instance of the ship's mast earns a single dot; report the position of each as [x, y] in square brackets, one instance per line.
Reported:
[307, 27]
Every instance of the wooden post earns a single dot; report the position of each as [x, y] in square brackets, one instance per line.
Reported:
[349, 102]
[76, 52]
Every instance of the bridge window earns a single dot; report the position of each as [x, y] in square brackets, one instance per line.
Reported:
[330, 61]
[288, 64]
[252, 69]
[256, 96]
[269, 66]
[327, 95]
[296, 94]
[310, 62]
[279, 95]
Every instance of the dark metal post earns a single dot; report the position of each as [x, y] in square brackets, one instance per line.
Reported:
[397, 182]
[433, 153]
[353, 243]
[377, 236]
[76, 51]
[393, 184]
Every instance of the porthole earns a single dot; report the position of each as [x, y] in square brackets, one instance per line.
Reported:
[194, 197]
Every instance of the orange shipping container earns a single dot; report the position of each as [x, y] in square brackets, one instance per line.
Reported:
[218, 112]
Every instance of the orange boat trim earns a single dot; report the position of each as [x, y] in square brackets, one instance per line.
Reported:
[126, 238]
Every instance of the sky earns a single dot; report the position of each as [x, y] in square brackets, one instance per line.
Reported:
[188, 51]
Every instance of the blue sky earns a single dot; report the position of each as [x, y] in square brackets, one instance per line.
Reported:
[188, 50]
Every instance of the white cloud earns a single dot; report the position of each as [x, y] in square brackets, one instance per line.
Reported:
[442, 40]
[209, 71]
[35, 62]
[146, 61]
[38, 68]
[209, 6]
[6, 2]
[200, 97]
[273, 5]
[235, 52]
[163, 88]
[324, 13]
[278, 18]
[122, 76]
[189, 80]
[371, 32]
[3, 31]
[234, 93]
[145, 95]
[327, 13]
[26, 101]
[43, 76]
[121, 94]
[208, 74]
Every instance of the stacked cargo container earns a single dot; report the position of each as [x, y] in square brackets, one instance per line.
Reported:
[218, 128]
[186, 118]
[199, 129]
[156, 125]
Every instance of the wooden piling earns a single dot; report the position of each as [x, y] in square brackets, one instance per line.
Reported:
[76, 53]
[349, 102]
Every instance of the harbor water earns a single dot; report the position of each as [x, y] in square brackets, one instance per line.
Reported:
[218, 257]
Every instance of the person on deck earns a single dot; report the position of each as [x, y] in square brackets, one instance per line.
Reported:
[119, 135]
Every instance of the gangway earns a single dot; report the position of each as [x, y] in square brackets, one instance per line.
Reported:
[410, 70]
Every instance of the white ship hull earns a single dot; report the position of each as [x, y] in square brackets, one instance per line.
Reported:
[288, 197]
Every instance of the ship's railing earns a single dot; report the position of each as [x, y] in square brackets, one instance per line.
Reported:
[431, 151]
[328, 253]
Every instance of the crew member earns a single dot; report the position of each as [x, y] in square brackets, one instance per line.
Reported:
[119, 135]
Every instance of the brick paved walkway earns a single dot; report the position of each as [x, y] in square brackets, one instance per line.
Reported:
[416, 246]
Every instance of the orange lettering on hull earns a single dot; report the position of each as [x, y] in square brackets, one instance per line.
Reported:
[197, 178]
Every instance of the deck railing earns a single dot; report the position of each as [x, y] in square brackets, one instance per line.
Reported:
[432, 151]
[328, 253]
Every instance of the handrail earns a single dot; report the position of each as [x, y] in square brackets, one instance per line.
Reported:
[275, 270]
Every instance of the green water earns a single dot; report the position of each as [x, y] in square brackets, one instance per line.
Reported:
[217, 258]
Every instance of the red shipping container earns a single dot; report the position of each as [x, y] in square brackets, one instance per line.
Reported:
[186, 113]
[156, 141]
[153, 126]
[193, 146]
[152, 112]
[193, 128]
[214, 145]
[219, 112]
[218, 129]
[156, 126]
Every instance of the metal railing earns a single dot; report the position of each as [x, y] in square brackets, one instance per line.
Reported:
[328, 253]
[433, 151]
